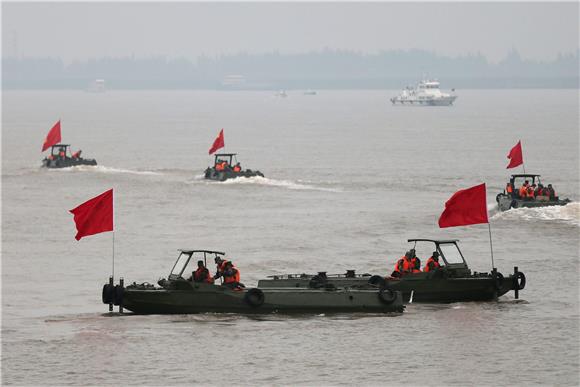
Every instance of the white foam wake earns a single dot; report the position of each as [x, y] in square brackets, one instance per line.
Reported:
[103, 169]
[570, 213]
[258, 180]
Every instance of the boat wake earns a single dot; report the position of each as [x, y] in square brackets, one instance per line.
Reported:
[569, 213]
[103, 169]
[258, 180]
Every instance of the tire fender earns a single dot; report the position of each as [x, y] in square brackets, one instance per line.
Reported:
[107, 295]
[387, 296]
[254, 297]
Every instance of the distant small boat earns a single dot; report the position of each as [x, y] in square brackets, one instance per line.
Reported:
[281, 93]
[310, 92]
[97, 86]
[426, 93]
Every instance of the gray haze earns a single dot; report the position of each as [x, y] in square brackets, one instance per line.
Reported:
[79, 31]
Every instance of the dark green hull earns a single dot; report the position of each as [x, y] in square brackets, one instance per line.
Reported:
[204, 298]
[426, 287]
[68, 162]
[505, 202]
[212, 174]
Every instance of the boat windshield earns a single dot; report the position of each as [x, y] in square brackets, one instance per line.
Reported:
[180, 264]
[451, 253]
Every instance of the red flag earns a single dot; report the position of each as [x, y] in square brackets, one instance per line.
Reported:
[218, 143]
[516, 156]
[465, 207]
[53, 137]
[94, 216]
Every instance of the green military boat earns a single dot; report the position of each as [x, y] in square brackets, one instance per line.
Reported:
[224, 168]
[453, 282]
[180, 295]
[61, 157]
[507, 200]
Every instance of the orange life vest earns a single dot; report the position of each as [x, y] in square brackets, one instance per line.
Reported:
[219, 167]
[414, 263]
[431, 264]
[523, 190]
[530, 192]
[509, 188]
[202, 275]
[403, 265]
[234, 276]
[237, 168]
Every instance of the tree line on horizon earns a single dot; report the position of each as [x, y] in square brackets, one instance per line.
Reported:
[324, 69]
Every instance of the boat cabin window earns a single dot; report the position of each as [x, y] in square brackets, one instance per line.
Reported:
[519, 181]
[180, 264]
[451, 253]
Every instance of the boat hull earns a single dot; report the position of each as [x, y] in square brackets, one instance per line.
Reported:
[66, 163]
[212, 174]
[505, 202]
[204, 298]
[437, 286]
[442, 101]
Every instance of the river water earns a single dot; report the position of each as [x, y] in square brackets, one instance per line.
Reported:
[348, 179]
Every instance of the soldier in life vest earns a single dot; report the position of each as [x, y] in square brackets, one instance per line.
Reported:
[237, 167]
[77, 154]
[415, 263]
[202, 274]
[220, 267]
[524, 189]
[509, 189]
[552, 192]
[219, 165]
[432, 263]
[532, 191]
[231, 276]
[61, 153]
[403, 265]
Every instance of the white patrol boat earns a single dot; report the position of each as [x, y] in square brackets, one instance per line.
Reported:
[426, 93]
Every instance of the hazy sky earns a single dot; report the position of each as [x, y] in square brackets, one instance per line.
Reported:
[88, 30]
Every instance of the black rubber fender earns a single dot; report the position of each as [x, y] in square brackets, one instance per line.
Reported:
[498, 280]
[387, 296]
[377, 280]
[108, 291]
[497, 197]
[254, 297]
[519, 281]
[118, 293]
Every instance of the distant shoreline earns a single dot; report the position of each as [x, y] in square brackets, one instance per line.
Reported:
[360, 84]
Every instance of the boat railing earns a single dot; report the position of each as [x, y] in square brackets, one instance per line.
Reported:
[348, 274]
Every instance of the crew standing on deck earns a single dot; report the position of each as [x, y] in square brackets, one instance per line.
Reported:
[220, 267]
[231, 276]
[524, 190]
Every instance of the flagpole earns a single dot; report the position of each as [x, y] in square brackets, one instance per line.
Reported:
[113, 275]
[490, 245]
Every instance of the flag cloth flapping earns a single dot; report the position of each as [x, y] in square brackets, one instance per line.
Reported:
[218, 143]
[53, 137]
[516, 156]
[94, 216]
[465, 207]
